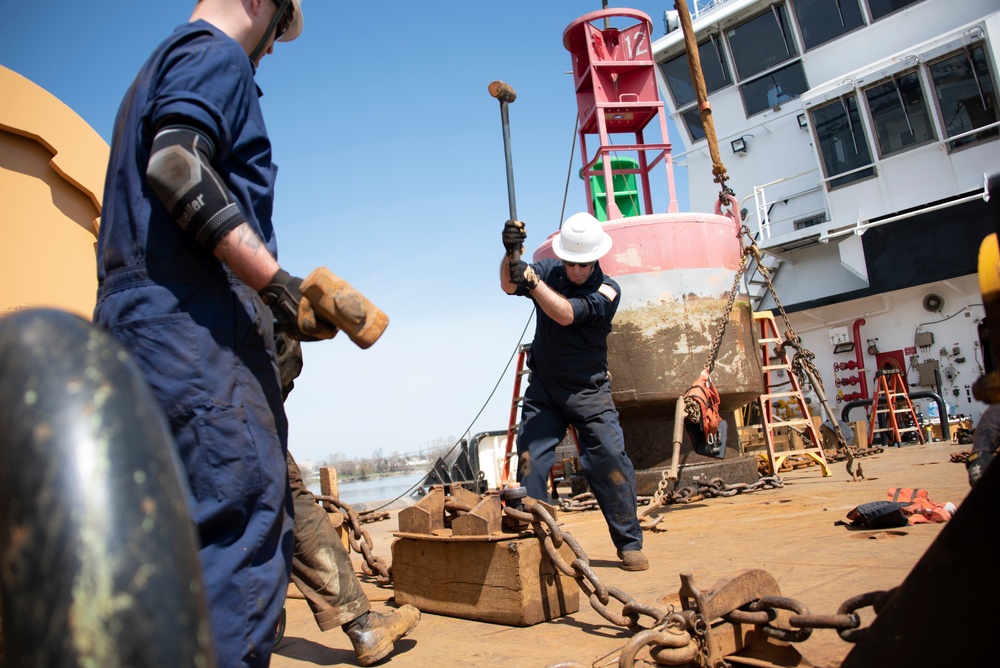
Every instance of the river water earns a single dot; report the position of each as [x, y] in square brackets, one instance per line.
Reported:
[375, 489]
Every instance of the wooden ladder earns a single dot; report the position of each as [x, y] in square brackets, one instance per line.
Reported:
[774, 360]
[890, 389]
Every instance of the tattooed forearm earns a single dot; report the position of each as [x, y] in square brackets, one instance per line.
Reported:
[247, 256]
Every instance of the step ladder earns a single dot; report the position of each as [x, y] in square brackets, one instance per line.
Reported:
[891, 393]
[517, 402]
[520, 371]
[774, 361]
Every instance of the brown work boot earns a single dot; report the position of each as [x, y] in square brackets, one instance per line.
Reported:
[374, 637]
[633, 560]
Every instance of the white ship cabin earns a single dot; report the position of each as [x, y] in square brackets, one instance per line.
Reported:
[857, 135]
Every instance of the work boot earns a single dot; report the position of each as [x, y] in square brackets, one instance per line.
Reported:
[633, 560]
[373, 634]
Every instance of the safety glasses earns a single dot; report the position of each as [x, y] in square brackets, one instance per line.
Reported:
[577, 264]
[286, 19]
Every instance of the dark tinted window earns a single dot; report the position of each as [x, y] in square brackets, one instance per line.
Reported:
[899, 112]
[842, 140]
[713, 68]
[966, 94]
[774, 88]
[881, 8]
[762, 42]
[822, 20]
[692, 119]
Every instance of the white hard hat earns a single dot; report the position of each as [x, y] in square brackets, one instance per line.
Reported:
[581, 239]
[295, 27]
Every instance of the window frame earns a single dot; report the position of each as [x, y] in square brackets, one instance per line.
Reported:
[946, 138]
[777, 105]
[871, 15]
[862, 12]
[854, 174]
[929, 109]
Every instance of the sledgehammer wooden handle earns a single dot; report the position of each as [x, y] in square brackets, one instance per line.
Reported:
[336, 301]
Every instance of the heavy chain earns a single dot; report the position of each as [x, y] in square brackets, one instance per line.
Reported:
[361, 542]
[720, 329]
[547, 530]
[698, 490]
[666, 648]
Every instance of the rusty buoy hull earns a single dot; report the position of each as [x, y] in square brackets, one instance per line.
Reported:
[676, 272]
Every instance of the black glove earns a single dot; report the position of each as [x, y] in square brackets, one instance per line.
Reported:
[289, 361]
[521, 273]
[284, 297]
[513, 237]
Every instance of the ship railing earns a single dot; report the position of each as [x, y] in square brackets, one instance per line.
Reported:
[762, 207]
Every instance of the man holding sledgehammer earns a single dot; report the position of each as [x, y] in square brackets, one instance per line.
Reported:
[187, 270]
[568, 358]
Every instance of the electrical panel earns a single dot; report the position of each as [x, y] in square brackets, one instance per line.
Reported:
[927, 369]
[923, 339]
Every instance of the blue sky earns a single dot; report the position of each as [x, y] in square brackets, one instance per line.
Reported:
[391, 173]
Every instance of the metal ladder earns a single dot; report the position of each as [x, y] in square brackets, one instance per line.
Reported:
[774, 360]
[891, 389]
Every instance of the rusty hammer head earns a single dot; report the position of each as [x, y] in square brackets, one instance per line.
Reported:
[502, 92]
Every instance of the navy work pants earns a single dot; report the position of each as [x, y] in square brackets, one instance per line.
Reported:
[206, 348]
[605, 464]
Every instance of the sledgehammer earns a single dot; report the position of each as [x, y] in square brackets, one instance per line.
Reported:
[336, 301]
[506, 95]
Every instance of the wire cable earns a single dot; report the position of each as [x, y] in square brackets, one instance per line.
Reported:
[469, 428]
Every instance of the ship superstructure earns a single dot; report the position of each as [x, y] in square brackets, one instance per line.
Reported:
[857, 136]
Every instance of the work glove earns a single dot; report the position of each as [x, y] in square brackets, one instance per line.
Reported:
[521, 273]
[294, 315]
[976, 465]
[513, 237]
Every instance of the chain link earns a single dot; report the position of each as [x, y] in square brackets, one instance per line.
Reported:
[361, 542]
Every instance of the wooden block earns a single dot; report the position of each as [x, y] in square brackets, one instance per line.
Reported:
[510, 582]
[328, 482]
[426, 516]
[860, 428]
[484, 519]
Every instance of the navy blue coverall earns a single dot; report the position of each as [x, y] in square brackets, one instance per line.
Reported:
[569, 386]
[202, 337]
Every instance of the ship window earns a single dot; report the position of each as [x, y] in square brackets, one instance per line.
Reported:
[899, 113]
[762, 42]
[966, 95]
[803, 223]
[880, 8]
[822, 20]
[842, 140]
[713, 67]
[774, 88]
[692, 119]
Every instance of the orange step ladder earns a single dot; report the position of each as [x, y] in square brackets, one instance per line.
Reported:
[774, 360]
[890, 391]
[517, 401]
[520, 371]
